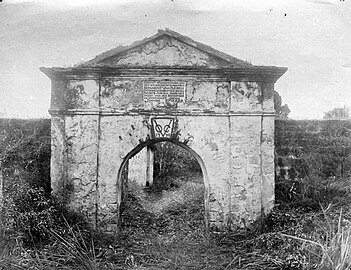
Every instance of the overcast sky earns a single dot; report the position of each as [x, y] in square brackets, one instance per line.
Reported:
[310, 37]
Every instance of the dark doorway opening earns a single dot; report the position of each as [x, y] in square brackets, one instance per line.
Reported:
[174, 203]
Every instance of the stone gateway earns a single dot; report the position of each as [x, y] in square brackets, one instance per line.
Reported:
[164, 88]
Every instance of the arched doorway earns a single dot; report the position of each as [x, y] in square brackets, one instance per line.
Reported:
[123, 185]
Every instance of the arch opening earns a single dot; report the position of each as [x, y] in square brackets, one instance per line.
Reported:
[175, 185]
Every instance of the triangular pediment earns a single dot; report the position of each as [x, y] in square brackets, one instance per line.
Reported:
[165, 49]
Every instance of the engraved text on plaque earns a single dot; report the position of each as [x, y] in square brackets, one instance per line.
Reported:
[164, 91]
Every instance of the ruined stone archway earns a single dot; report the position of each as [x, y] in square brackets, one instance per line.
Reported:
[183, 145]
[219, 106]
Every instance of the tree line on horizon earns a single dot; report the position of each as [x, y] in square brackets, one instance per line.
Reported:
[282, 111]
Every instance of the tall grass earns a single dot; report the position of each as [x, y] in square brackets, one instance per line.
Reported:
[332, 245]
[71, 251]
[77, 249]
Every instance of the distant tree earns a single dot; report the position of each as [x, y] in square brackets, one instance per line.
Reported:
[280, 111]
[338, 113]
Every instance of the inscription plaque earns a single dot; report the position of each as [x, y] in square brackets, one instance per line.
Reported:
[164, 91]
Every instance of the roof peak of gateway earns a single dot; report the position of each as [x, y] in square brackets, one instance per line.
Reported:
[222, 59]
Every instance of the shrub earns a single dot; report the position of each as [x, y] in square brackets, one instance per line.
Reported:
[29, 210]
[33, 213]
[25, 167]
[25, 150]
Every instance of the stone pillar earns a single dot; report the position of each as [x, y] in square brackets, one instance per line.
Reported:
[137, 170]
[267, 156]
[149, 166]
[141, 168]
[81, 149]
[245, 169]
[58, 165]
[267, 149]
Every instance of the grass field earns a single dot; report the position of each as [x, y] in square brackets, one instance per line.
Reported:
[309, 227]
[172, 237]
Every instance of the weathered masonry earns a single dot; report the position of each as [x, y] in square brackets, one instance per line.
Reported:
[164, 88]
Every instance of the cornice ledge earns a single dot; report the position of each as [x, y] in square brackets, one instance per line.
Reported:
[254, 73]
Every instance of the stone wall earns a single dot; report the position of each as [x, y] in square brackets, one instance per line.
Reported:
[312, 148]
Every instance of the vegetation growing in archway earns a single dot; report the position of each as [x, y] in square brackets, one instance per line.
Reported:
[172, 163]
